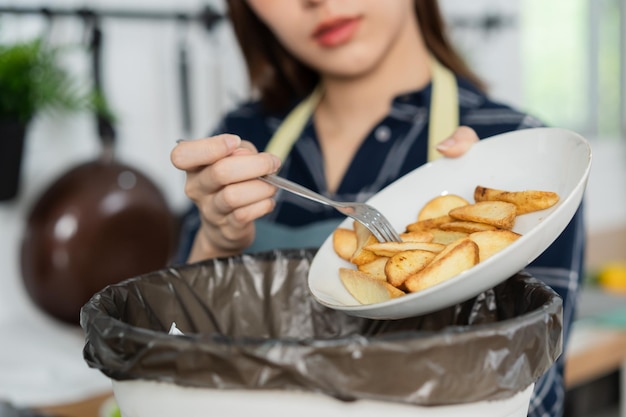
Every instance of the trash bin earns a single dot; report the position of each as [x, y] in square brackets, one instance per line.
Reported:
[255, 342]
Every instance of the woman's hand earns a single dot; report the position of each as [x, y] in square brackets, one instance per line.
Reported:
[222, 181]
[458, 143]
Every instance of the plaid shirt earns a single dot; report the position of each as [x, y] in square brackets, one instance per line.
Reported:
[394, 147]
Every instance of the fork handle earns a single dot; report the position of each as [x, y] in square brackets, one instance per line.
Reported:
[295, 188]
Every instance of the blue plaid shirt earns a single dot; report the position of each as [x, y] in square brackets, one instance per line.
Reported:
[394, 147]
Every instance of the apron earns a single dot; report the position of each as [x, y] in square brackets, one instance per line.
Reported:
[443, 120]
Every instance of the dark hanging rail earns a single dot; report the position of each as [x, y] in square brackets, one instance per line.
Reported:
[207, 16]
[488, 23]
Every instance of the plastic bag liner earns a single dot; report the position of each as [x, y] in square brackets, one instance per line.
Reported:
[250, 322]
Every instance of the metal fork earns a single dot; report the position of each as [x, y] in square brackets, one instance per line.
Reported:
[361, 212]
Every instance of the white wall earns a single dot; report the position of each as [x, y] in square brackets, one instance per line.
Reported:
[494, 54]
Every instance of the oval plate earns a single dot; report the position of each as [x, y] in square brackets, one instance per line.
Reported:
[549, 159]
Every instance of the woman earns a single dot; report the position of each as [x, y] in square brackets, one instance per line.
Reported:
[348, 93]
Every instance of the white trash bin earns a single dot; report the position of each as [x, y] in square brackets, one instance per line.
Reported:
[160, 399]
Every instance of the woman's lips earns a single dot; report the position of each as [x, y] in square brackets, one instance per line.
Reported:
[335, 32]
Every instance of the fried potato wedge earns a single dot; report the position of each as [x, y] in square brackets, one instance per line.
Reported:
[445, 237]
[376, 268]
[492, 241]
[344, 243]
[497, 213]
[440, 206]
[391, 248]
[365, 289]
[456, 258]
[421, 236]
[467, 227]
[363, 238]
[424, 225]
[525, 201]
[406, 263]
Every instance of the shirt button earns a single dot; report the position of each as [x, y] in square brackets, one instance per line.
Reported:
[382, 134]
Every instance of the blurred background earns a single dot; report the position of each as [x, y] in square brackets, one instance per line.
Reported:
[170, 69]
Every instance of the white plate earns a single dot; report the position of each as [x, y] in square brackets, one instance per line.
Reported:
[548, 159]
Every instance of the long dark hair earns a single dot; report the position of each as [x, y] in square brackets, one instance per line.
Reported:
[280, 78]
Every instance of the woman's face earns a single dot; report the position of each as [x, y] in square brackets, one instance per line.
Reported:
[341, 38]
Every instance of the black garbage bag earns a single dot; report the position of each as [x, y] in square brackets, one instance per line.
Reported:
[250, 322]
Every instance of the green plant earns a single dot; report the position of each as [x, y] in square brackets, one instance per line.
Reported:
[32, 80]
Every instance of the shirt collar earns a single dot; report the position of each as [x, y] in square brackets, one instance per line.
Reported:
[420, 98]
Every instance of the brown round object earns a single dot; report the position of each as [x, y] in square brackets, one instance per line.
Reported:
[98, 224]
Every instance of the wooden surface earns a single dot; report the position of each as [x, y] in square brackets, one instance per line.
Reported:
[86, 408]
[594, 352]
[605, 246]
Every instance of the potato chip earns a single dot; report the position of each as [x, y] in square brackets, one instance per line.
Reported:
[365, 289]
[441, 206]
[497, 213]
[525, 201]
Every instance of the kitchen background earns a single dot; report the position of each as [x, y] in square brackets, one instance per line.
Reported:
[563, 60]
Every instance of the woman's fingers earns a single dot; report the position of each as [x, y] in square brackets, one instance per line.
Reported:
[230, 229]
[193, 154]
[236, 196]
[234, 226]
[240, 167]
[458, 143]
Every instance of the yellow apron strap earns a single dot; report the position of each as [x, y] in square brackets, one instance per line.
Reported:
[444, 107]
[290, 129]
[444, 115]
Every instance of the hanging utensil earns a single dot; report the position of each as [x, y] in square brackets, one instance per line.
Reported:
[183, 76]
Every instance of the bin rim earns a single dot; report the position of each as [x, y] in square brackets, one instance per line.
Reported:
[537, 314]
